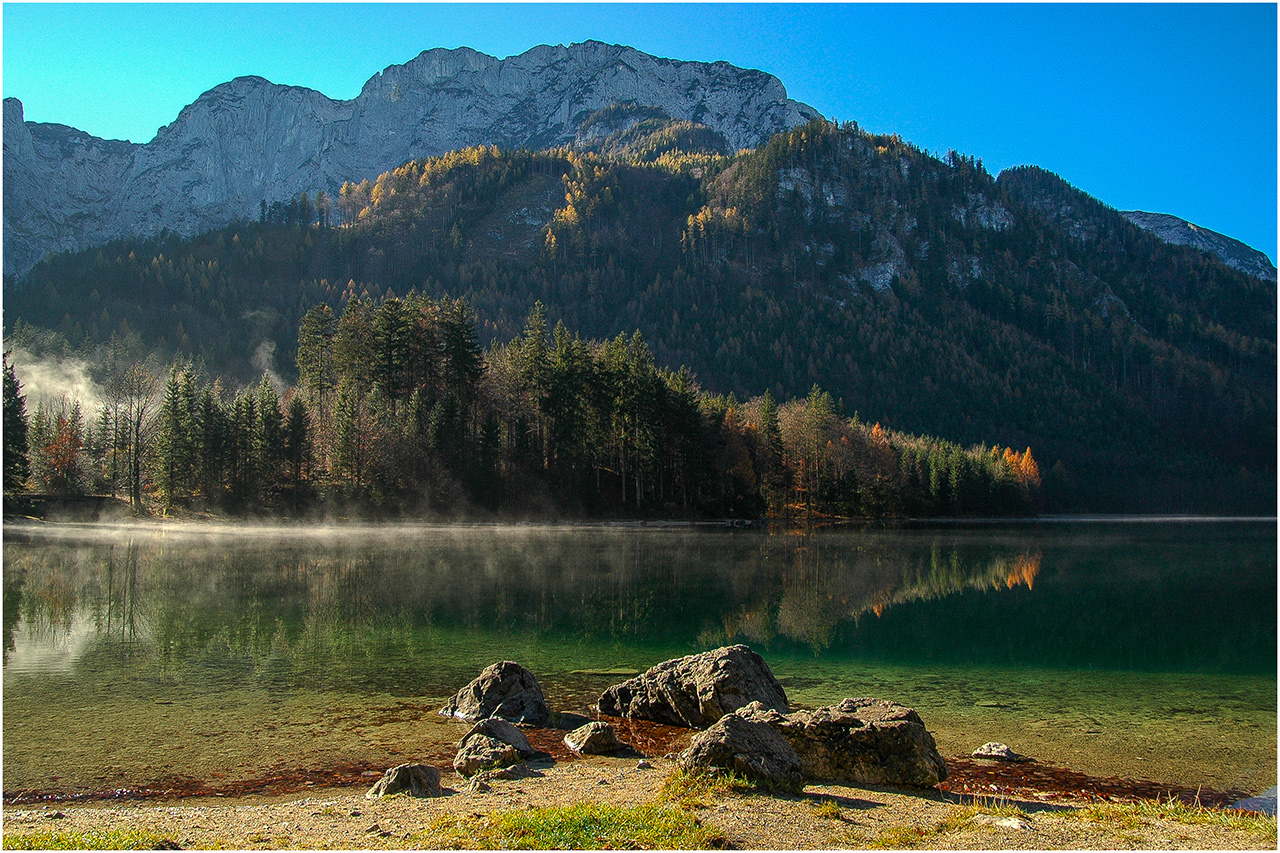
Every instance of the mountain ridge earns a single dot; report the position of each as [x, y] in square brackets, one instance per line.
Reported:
[1234, 253]
[250, 140]
[932, 297]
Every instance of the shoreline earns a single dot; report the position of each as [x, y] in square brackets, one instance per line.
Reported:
[967, 776]
[822, 816]
[275, 526]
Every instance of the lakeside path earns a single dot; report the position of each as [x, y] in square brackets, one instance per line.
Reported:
[822, 817]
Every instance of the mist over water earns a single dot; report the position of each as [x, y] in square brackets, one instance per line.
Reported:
[1072, 638]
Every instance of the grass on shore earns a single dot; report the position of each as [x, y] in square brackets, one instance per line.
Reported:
[668, 822]
[581, 826]
[1119, 819]
[1129, 816]
[89, 839]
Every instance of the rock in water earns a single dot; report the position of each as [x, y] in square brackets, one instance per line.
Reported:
[743, 742]
[998, 752]
[861, 741]
[505, 690]
[697, 690]
[491, 743]
[595, 738]
[417, 780]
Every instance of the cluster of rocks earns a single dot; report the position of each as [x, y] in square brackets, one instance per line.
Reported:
[729, 693]
[750, 728]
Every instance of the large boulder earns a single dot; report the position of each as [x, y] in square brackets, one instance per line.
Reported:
[505, 690]
[416, 780]
[744, 742]
[861, 741]
[697, 690]
[491, 743]
[595, 738]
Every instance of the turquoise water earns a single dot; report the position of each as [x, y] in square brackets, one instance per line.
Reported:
[138, 654]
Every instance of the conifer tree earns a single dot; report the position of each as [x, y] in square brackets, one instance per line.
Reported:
[16, 467]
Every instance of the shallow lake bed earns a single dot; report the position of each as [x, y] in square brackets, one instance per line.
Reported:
[161, 655]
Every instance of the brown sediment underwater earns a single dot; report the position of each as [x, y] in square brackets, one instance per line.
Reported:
[1001, 779]
[968, 777]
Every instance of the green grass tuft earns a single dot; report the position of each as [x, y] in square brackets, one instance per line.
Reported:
[582, 826]
[1134, 815]
[827, 807]
[698, 788]
[90, 839]
[901, 837]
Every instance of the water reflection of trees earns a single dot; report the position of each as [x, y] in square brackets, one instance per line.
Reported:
[282, 611]
[827, 582]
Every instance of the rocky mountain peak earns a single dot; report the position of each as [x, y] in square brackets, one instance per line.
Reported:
[250, 140]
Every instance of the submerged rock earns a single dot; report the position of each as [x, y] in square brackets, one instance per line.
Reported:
[505, 690]
[1264, 803]
[861, 741]
[999, 752]
[491, 743]
[696, 690]
[744, 742]
[595, 738]
[416, 780]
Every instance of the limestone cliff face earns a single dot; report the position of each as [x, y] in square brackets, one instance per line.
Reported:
[1235, 254]
[251, 140]
[59, 187]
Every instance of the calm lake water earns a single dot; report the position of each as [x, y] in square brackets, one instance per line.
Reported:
[141, 656]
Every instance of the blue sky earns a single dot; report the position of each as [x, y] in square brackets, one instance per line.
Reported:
[1162, 107]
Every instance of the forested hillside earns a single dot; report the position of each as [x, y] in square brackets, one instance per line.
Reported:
[920, 292]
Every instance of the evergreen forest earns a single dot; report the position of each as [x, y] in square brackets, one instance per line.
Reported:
[771, 331]
[398, 411]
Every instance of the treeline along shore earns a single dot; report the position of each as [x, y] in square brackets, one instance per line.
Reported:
[399, 411]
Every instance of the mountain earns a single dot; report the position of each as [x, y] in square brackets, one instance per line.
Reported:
[924, 293]
[1234, 254]
[251, 141]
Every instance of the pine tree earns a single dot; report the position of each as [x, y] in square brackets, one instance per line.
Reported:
[315, 355]
[16, 467]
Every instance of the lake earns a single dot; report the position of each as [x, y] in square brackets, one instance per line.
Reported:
[196, 656]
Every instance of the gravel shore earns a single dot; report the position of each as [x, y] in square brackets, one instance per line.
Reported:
[822, 817]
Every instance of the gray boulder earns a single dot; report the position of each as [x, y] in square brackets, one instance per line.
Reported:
[416, 780]
[744, 742]
[491, 743]
[697, 690]
[861, 741]
[596, 738]
[505, 690]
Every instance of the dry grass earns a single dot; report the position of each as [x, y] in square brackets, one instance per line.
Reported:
[1130, 816]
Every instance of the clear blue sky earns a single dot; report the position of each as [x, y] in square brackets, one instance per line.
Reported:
[1168, 108]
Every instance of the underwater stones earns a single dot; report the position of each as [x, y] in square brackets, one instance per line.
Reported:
[999, 752]
[743, 742]
[861, 741]
[416, 780]
[506, 690]
[491, 743]
[696, 690]
[595, 738]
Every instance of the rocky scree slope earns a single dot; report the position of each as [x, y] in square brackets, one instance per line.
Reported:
[251, 140]
[1180, 232]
